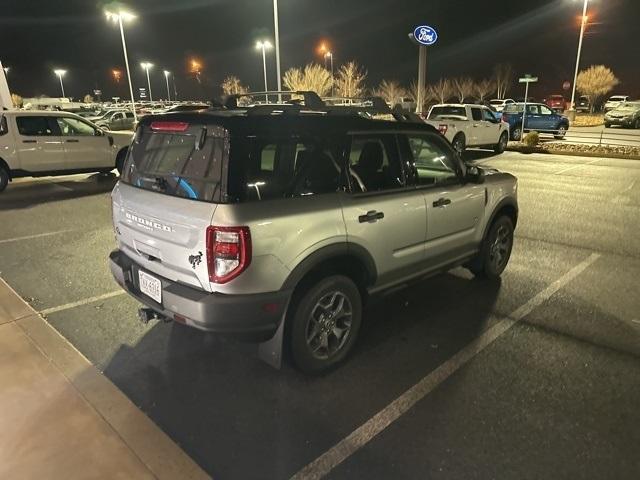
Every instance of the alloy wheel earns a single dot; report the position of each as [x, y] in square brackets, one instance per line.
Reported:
[499, 250]
[329, 325]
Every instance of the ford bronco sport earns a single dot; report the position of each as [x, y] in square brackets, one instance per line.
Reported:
[278, 221]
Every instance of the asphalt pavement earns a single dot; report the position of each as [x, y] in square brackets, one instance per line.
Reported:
[536, 376]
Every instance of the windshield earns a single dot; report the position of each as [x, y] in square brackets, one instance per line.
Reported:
[448, 112]
[616, 99]
[514, 108]
[496, 102]
[182, 164]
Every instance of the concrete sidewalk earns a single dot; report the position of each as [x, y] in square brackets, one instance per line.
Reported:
[60, 418]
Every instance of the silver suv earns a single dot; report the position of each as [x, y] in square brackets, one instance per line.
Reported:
[278, 224]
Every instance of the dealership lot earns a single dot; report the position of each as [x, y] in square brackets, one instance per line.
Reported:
[537, 374]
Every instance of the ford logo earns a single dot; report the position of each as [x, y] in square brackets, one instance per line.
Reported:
[425, 35]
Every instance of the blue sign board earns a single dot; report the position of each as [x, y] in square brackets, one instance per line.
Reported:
[425, 35]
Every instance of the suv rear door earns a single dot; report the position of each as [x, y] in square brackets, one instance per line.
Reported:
[454, 208]
[167, 196]
[39, 144]
[382, 213]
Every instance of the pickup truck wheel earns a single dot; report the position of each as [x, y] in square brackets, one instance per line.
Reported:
[501, 146]
[495, 250]
[4, 178]
[459, 144]
[561, 132]
[516, 133]
[324, 324]
[122, 155]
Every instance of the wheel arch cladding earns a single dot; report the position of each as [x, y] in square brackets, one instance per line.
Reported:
[5, 165]
[506, 206]
[347, 259]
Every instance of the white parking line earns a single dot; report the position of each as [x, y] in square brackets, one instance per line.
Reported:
[79, 303]
[381, 420]
[577, 166]
[37, 235]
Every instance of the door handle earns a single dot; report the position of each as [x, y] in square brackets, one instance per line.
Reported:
[71, 140]
[371, 217]
[29, 141]
[442, 202]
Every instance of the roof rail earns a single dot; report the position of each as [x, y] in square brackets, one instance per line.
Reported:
[311, 99]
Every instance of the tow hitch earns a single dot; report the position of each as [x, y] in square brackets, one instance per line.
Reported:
[146, 315]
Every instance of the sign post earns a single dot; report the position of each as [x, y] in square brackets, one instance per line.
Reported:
[527, 79]
[424, 36]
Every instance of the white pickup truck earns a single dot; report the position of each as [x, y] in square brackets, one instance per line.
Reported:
[35, 144]
[467, 125]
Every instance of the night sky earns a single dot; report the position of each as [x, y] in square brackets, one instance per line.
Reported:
[538, 37]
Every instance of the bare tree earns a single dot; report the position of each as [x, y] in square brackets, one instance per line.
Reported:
[427, 94]
[464, 87]
[17, 100]
[484, 88]
[503, 78]
[313, 77]
[595, 82]
[350, 80]
[391, 91]
[233, 86]
[441, 91]
[87, 99]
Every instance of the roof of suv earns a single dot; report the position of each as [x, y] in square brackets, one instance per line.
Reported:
[240, 120]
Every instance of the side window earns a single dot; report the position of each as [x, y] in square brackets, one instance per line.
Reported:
[476, 113]
[129, 114]
[34, 126]
[533, 110]
[488, 115]
[374, 164]
[269, 168]
[3, 125]
[432, 162]
[545, 110]
[72, 127]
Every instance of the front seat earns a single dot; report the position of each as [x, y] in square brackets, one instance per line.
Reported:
[369, 166]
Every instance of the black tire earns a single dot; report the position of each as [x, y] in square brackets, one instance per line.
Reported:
[122, 155]
[4, 178]
[459, 144]
[561, 132]
[501, 146]
[516, 133]
[494, 253]
[317, 309]
[607, 125]
[636, 124]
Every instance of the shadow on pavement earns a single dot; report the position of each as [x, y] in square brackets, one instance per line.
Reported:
[239, 418]
[26, 195]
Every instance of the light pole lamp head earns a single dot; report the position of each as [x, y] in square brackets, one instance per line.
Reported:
[59, 72]
[266, 44]
[6, 69]
[166, 73]
[146, 65]
[119, 15]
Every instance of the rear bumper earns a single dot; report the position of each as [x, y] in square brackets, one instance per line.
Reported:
[252, 317]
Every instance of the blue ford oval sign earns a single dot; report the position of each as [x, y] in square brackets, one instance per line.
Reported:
[425, 35]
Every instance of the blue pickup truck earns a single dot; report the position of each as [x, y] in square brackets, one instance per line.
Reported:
[539, 118]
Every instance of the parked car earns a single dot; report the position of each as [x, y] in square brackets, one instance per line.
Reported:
[104, 114]
[626, 115]
[615, 101]
[123, 120]
[38, 143]
[499, 104]
[466, 125]
[557, 103]
[539, 118]
[272, 223]
[583, 105]
[187, 107]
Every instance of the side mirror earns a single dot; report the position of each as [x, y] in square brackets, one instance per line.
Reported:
[100, 132]
[475, 175]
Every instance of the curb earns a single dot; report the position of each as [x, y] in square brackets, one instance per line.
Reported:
[529, 150]
[155, 449]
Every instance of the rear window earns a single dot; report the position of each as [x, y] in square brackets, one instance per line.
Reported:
[448, 112]
[181, 164]
[514, 108]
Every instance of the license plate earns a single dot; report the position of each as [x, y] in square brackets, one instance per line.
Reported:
[150, 286]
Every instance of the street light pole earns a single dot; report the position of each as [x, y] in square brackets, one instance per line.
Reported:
[60, 73]
[583, 23]
[166, 77]
[119, 17]
[264, 45]
[277, 32]
[330, 56]
[147, 66]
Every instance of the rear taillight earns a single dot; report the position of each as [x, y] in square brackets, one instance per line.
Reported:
[442, 128]
[228, 252]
